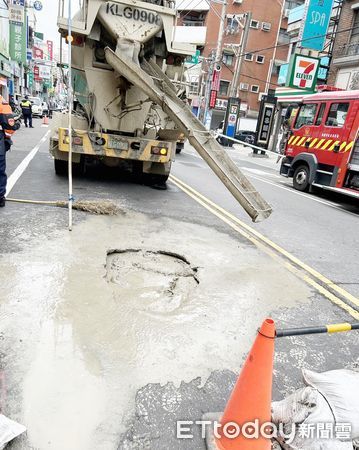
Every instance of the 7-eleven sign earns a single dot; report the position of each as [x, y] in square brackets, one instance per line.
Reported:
[303, 72]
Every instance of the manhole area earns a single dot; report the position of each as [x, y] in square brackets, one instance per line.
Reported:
[156, 281]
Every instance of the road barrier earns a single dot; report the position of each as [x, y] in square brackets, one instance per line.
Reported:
[251, 397]
[246, 144]
[334, 328]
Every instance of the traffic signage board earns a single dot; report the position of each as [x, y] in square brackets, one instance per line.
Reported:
[38, 5]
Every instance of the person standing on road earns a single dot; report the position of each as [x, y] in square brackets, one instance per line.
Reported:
[8, 125]
[27, 111]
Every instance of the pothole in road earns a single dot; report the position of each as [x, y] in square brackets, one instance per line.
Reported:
[156, 281]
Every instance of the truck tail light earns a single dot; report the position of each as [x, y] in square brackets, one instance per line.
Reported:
[163, 151]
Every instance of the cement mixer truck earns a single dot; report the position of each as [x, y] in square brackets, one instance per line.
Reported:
[127, 111]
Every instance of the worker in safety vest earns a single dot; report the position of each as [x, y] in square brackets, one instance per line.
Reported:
[26, 107]
[8, 125]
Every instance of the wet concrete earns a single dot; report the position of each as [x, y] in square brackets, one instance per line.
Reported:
[79, 346]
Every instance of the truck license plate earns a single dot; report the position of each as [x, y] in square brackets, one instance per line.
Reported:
[117, 144]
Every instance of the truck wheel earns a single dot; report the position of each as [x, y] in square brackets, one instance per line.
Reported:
[301, 178]
[155, 180]
[60, 167]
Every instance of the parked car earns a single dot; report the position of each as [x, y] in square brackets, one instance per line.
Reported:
[221, 140]
[37, 108]
[246, 136]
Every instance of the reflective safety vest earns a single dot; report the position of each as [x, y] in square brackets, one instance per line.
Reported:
[8, 123]
[26, 106]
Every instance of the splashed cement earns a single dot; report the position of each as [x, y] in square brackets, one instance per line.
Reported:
[83, 331]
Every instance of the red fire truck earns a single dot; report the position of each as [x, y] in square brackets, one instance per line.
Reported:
[323, 147]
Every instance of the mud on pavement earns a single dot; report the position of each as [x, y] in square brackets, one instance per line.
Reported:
[113, 332]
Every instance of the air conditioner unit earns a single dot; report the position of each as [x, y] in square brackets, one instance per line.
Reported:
[244, 86]
[266, 26]
[237, 2]
[286, 12]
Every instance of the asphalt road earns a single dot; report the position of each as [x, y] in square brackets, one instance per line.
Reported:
[319, 228]
[105, 351]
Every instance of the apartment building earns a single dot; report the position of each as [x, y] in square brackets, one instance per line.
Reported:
[344, 69]
[262, 60]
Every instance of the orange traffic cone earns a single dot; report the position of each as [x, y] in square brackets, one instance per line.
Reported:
[45, 120]
[250, 401]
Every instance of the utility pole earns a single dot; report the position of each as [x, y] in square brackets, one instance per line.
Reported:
[240, 54]
[217, 59]
[221, 32]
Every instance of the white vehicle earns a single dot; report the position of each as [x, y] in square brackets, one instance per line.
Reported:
[37, 108]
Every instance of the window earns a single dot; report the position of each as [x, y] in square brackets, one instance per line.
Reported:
[223, 88]
[260, 59]
[354, 38]
[255, 88]
[306, 115]
[248, 57]
[228, 59]
[283, 37]
[266, 26]
[337, 114]
[320, 114]
[254, 24]
[232, 25]
[244, 86]
[193, 20]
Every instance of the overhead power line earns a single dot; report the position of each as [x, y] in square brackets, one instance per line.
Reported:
[299, 40]
[252, 77]
[277, 45]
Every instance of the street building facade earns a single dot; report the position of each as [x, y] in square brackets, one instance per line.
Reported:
[344, 70]
[27, 59]
[261, 57]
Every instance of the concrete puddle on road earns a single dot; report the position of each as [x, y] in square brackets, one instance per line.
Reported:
[158, 281]
[85, 328]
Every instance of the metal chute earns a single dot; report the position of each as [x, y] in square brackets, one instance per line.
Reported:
[157, 86]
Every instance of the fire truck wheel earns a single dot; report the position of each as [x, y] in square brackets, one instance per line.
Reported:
[301, 178]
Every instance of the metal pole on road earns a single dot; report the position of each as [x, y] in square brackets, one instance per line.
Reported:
[70, 98]
[334, 328]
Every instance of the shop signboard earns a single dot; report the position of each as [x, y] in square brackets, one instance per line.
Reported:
[232, 116]
[303, 72]
[212, 99]
[4, 29]
[18, 49]
[315, 24]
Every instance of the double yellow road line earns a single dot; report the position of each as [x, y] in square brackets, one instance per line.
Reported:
[322, 284]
